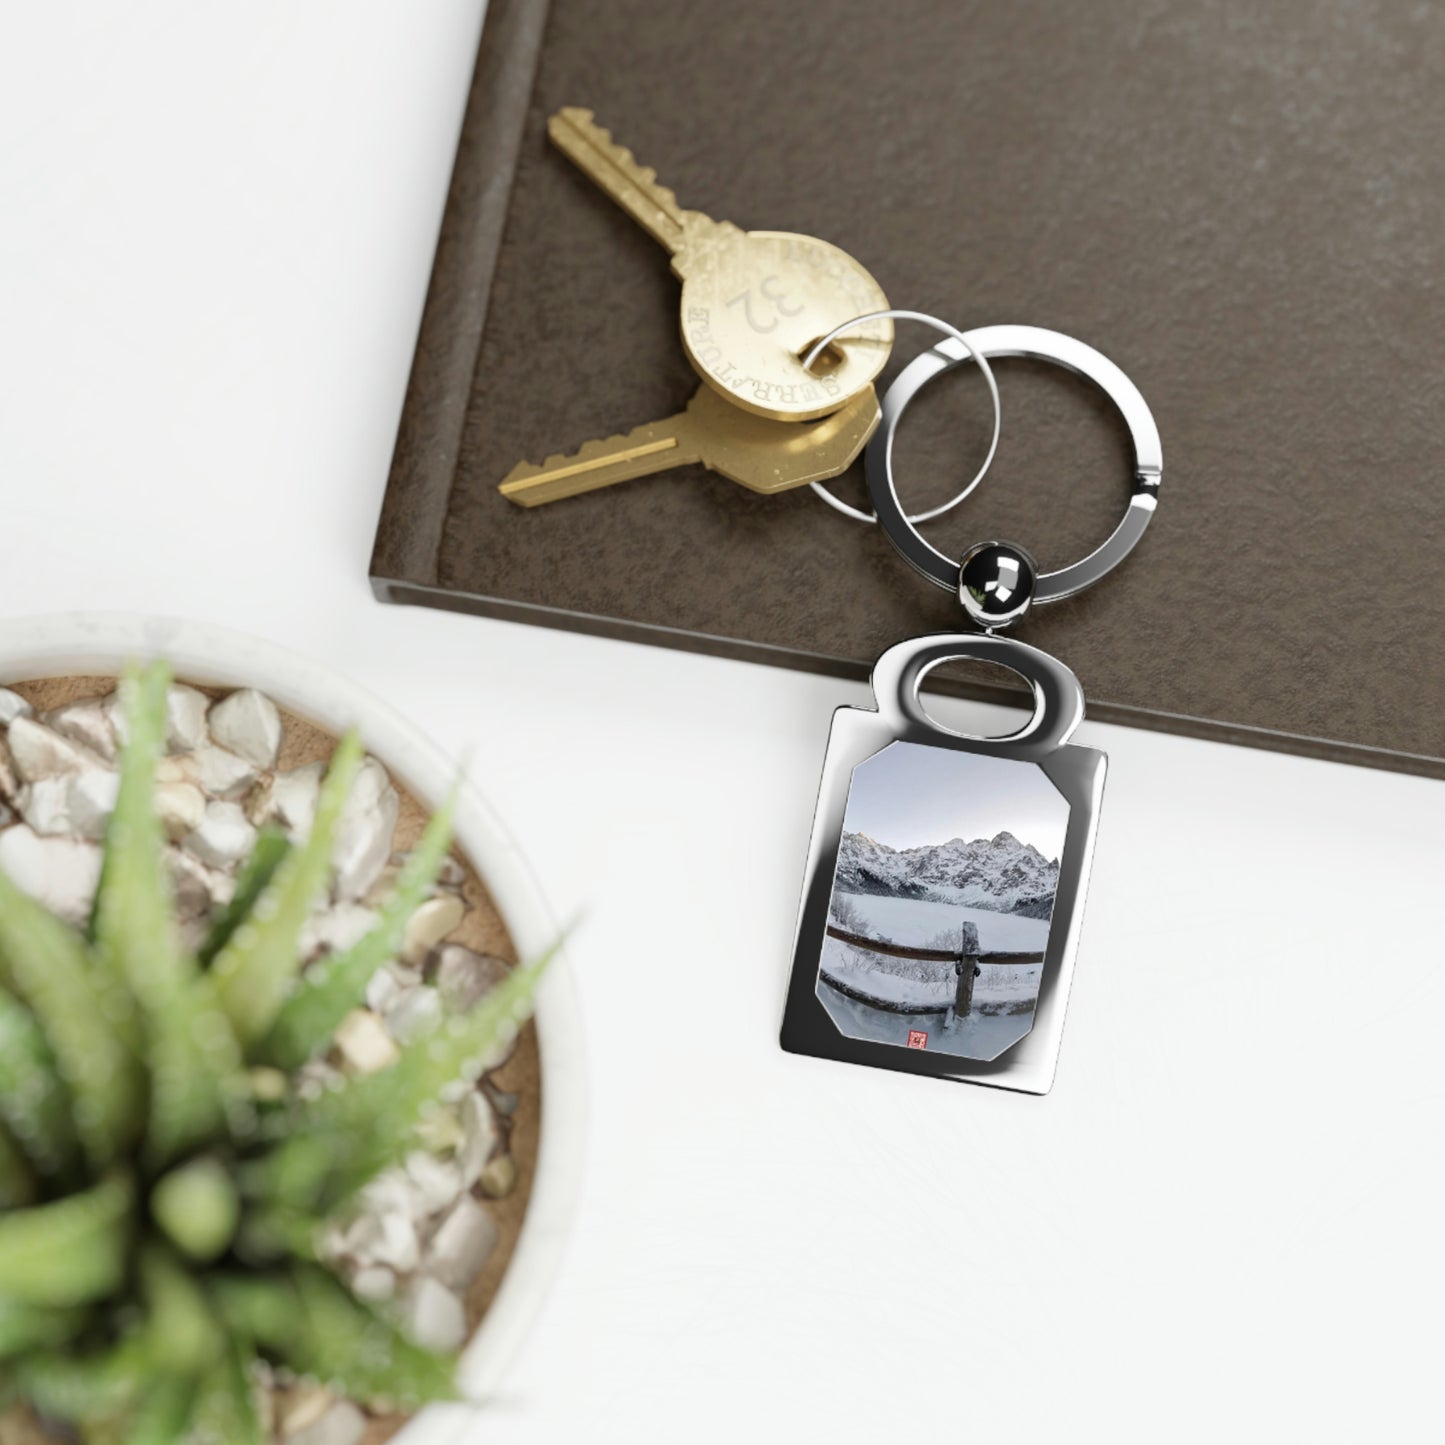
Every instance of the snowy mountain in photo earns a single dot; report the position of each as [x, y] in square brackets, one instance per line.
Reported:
[1001, 873]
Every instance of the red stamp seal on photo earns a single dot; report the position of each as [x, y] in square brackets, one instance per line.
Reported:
[917, 1039]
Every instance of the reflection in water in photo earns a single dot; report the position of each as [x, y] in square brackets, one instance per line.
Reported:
[980, 1036]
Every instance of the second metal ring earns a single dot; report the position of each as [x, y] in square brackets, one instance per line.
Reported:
[964, 351]
[1040, 345]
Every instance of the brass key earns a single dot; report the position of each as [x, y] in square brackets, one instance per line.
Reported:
[764, 456]
[753, 302]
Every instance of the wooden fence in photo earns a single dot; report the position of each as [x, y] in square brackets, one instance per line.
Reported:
[965, 965]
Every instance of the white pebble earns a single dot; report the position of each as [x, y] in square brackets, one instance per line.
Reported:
[374, 1283]
[61, 873]
[40, 753]
[338, 928]
[400, 1248]
[364, 1043]
[116, 715]
[396, 1244]
[303, 1405]
[86, 723]
[185, 718]
[413, 1013]
[431, 923]
[364, 832]
[387, 982]
[180, 807]
[12, 706]
[499, 1178]
[175, 770]
[220, 773]
[45, 805]
[438, 1319]
[91, 801]
[464, 976]
[391, 1190]
[9, 783]
[248, 724]
[342, 1424]
[462, 1244]
[381, 989]
[224, 837]
[438, 1182]
[198, 889]
[481, 1135]
[360, 1238]
[383, 885]
[439, 1131]
[292, 798]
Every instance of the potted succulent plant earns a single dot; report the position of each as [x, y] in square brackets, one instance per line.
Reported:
[215, 1118]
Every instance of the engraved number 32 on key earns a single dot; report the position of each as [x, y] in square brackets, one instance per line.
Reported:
[770, 289]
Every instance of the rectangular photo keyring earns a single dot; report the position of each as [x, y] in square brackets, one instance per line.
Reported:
[944, 888]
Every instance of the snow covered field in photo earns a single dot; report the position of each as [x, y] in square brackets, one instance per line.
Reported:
[980, 1036]
[1003, 995]
[921, 923]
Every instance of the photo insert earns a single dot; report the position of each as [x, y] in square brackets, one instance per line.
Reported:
[941, 902]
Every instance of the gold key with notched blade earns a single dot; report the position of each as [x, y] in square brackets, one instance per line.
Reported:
[753, 302]
[762, 455]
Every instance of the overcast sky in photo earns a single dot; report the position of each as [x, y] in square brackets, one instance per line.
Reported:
[910, 795]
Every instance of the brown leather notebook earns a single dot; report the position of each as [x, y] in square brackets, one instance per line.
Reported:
[1244, 208]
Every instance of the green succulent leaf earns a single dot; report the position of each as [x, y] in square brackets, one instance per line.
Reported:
[71, 1251]
[17, 1183]
[358, 1352]
[33, 1101]
[87, 1388]
[25, 1327]
[258, 1307]
[257, 967]
[45, 963]
[267, 854]
[162, 1413]
[276, 1232]
[135, 925]
[182, 1330]
[197, 1207]
[331, 988]
[194, 1061]
[291, 1178]
[224, 1412]
[377, 1115]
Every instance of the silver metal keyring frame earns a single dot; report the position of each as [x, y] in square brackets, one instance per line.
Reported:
[965, 353]
[900, 672]
[1036, 344]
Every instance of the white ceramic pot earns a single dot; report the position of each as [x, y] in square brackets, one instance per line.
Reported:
[71, 644]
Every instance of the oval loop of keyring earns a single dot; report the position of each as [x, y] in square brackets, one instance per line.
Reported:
[900, 672]
[1036, 344]
[963, 350]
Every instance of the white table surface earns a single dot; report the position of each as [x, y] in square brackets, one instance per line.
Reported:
[1224, 1223]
